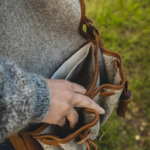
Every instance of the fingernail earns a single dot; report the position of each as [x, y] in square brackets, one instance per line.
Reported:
[101, 110]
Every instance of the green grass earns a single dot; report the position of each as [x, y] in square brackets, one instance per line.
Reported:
[125, 28]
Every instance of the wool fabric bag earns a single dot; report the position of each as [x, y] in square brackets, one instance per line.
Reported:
[100, 71]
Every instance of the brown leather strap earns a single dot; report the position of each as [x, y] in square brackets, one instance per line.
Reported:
[124, 100]
[24, 142]
[30, 142]
[92, 31]
[92, 142]
[50, 142]
[88, 145]
[69, 137]
[126, 94]
[88, 19]
[17, 142]
[83, 137]
[107, 93]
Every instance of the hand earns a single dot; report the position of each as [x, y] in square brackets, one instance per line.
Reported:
[64, 97]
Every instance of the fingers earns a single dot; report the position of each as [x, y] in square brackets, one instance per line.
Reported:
[62, 122]
[84, 101]
[72, 118]
[78, 88]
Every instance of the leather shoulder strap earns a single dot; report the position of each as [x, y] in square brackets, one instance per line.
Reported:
[17, 142]
[24, 142]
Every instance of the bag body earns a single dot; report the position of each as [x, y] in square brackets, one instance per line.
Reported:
[100, 71]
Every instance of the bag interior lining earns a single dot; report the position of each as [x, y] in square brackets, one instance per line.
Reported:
[79, 68]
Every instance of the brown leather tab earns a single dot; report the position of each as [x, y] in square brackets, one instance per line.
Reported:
[124, 100]
[107, 93]
[30, 142]
[17, 142]
[126, 94]
[50, 142]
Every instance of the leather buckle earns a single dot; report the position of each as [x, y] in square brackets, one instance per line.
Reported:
[92, 33]
[91, 29]
[96, 29]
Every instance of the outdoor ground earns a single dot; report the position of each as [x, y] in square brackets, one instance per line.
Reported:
[125, 28]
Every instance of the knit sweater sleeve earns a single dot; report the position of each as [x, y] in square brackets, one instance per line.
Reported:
[24, 98]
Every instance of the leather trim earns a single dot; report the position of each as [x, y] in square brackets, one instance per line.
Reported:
[105, 51]
[83, 137]
[108, 93]
[69, 137]
[30, 142]
[80, 28]
[110, 86]
[50, 142]
[90, 91]
[114, 54]
[92, 142]
[17, 142]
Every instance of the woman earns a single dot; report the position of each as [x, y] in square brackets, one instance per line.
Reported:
[36, 36]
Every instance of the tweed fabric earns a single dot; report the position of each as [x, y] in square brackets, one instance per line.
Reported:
[36, 36]
[102, 70]
[113, 77]
[69, 146]
[72, 145]
[108, 103]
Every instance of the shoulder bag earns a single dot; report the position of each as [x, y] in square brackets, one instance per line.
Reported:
[100, 71]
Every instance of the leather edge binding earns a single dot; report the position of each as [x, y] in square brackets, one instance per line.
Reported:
[80, 29]
[71, 136]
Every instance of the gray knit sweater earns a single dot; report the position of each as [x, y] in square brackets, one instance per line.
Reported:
[36, 36]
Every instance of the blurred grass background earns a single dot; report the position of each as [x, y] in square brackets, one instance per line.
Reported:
[125, 28]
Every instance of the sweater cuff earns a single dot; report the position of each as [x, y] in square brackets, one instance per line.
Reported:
[42, 102]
